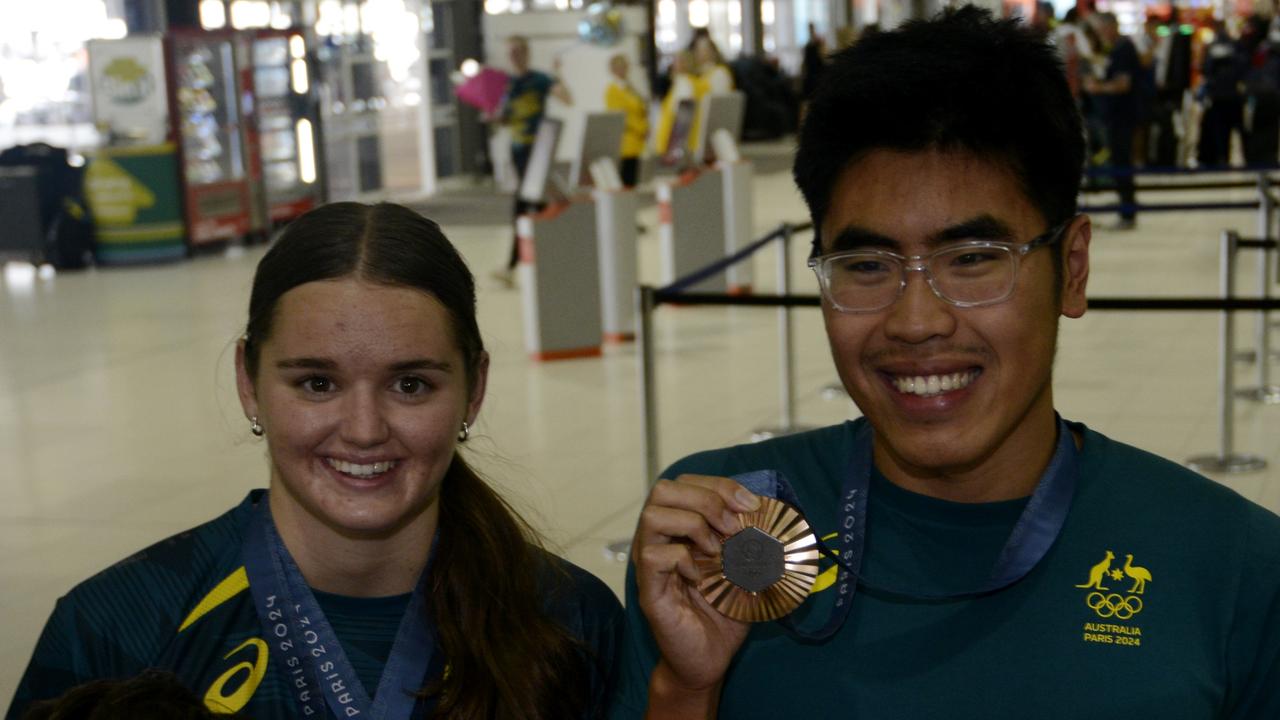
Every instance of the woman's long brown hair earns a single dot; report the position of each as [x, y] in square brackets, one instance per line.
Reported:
[490, 578]
[506, 658]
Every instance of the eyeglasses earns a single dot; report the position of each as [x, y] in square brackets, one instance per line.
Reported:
[967, 274]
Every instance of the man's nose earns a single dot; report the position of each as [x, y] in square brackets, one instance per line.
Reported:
[919, 314]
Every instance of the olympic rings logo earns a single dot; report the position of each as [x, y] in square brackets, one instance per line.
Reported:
[1114, 605]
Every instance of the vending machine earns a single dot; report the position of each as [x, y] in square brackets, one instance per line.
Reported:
[235, 112]
[284, 129]
[211, 111]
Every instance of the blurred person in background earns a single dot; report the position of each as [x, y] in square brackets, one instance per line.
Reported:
[813, 64]
[523, 107]
[1262, 93]
[1118, 93]
[1092, 62]
[621, 96]
[1073, 46]
[1222, 72]
[1043, 19]
[1152, 50]
[710, 65]
[683, 85]
[713, 77]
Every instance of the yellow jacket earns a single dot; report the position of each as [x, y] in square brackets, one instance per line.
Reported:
[620, 97]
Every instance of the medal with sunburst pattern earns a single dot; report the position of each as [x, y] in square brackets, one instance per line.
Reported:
[764, 570]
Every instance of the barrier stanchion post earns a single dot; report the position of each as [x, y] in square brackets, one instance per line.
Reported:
[648, 389]
[1265, 392]
[645, 302]
[786, 350]
[1226, 460]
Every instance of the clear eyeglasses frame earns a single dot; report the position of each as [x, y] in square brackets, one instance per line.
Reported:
[966, 274]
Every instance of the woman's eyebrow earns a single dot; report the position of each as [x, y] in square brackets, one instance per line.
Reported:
[311, 363]
[422, 364]
[306, 363]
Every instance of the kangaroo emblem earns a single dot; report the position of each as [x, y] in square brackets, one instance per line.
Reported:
[1098, 572]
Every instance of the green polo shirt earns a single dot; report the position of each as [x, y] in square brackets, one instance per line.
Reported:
[1160, 599]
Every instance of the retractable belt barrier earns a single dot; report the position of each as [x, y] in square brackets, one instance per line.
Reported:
[1260, 180]
[1226, 460]
[1171, 207]
[1236, 182]
[1168, 187]
[1174, 171]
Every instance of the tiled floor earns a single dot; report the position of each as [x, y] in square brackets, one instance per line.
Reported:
[119, 423]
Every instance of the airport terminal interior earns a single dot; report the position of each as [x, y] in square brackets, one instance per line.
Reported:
[120, 424]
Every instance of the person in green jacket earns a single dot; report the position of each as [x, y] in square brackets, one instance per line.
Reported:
[973, 554]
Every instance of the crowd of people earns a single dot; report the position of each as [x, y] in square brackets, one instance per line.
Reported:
[1173, 95]
[966, 535]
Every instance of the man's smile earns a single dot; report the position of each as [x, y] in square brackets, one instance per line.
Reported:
[933, 384]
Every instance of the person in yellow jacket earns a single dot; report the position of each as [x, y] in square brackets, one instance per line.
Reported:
[684, 86]
[715, 74]
[621, 96]
[713, 78]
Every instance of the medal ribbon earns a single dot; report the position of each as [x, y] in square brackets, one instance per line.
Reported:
[1034, 533]
[305, 644]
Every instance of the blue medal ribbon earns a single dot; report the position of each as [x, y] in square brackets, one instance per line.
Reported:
[1034, 533]
[302, 640]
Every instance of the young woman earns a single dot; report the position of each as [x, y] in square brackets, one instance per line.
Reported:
[378, 576]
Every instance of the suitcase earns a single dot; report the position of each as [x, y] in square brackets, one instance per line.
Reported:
[56, 197]
[22, 233]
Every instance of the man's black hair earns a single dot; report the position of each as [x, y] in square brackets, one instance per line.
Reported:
[961, 81]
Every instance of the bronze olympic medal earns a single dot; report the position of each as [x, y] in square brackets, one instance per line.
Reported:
[764, 570]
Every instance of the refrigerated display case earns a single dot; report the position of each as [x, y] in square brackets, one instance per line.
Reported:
[284, 123]
[208, 107]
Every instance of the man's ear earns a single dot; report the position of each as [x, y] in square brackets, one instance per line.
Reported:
[244, 384]
[1075, 267]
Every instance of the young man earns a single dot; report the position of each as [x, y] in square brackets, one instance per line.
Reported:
[1121, 92]
[941, 163]
[523, 106]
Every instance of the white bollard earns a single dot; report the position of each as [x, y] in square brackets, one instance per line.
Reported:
[560, 282]
[616, 243]
[691, 226]
[739, 222]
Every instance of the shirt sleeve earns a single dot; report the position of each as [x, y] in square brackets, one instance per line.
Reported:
[637, 657]
[604, 625]
[1253, 648]
[63, 658]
